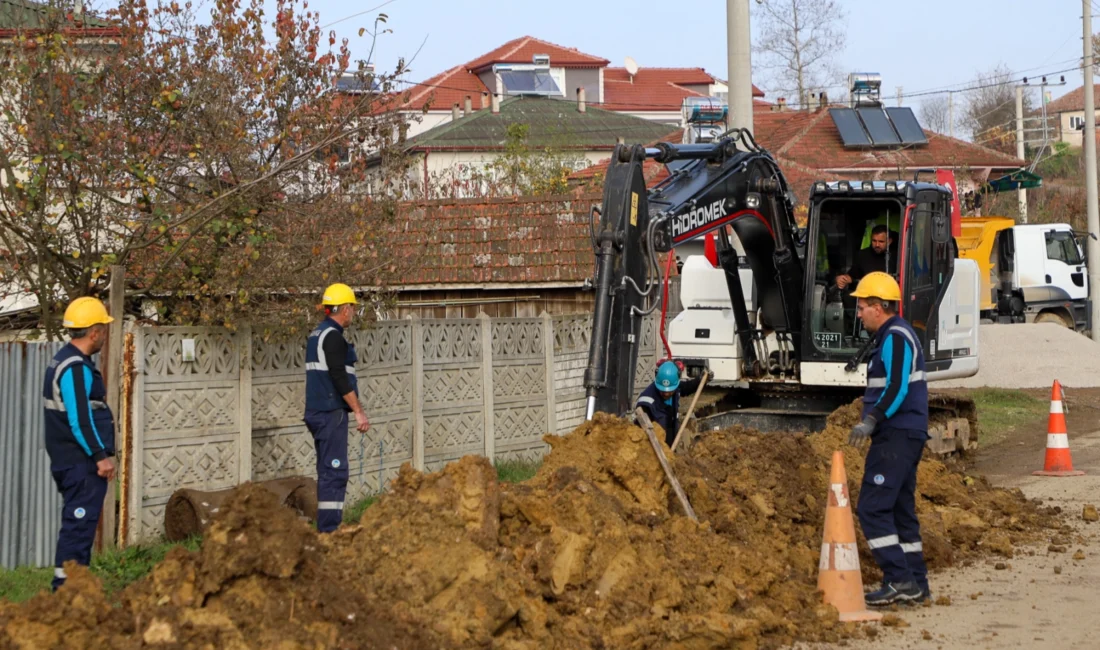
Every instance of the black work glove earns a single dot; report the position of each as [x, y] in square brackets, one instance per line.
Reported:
[710, 376]
[861, 432]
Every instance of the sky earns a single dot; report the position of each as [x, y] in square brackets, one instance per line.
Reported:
[943, 43]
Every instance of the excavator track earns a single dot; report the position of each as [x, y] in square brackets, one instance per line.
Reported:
[952, 419]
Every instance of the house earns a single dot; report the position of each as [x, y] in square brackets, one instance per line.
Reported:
[25, 16]
[1067, 115]
[455, 159]
[650, 93]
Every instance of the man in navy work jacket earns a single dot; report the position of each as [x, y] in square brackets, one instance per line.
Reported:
[332, 391]
[895, 418]
[80, 432]
[661, 399]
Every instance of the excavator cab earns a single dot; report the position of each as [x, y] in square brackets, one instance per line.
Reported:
[937, 289]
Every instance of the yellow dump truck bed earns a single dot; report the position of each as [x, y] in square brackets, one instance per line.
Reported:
[979, 234]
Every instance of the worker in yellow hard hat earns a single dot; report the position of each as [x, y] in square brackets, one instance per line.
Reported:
[80, 432]
[332, 391]
[895, 419]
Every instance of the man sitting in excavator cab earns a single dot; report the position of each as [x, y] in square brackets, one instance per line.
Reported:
[881, 255]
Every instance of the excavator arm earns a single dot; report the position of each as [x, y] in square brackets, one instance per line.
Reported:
[714, 186]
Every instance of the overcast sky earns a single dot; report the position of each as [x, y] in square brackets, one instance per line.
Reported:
[921, 46]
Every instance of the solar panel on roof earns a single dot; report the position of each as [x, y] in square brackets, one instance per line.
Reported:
[850, 128]
[878, 127]
[907, 125]
[529, 82]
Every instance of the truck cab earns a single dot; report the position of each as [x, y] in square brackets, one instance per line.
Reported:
[1041, 276]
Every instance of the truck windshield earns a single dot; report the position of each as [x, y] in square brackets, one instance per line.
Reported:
[1062, 247]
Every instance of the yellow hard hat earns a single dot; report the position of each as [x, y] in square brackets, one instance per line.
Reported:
[338, 294]
[85, 312]
[878, 285]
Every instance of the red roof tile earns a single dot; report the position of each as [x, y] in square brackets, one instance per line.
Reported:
[446, 89]
[654, 89]
[1071, 101]
[521, 50]
[487, 241]
[811, 139]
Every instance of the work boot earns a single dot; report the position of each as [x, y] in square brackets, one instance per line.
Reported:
[894, 592]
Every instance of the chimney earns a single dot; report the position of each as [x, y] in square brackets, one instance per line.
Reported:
[484, 100]
[468, 107]
[811, 102]
[581, 108]
[454, 111]
[781, 104]
[78, 8]
[496, 104]
[823, 101]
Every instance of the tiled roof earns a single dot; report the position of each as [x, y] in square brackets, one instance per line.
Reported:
[446, 89]
[1071, 101]
[551, 123]
[521, 50]
[654, 89]
[24, 14]
[811, 139]
[496, 241]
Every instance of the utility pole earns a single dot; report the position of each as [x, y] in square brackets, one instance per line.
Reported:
[1092, 210]
[951, 112]
[1021, 194]
[739, 61]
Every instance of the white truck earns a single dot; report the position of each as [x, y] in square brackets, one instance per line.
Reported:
[1038, 274]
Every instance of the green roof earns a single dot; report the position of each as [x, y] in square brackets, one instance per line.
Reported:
[551, 123]
[23, 14]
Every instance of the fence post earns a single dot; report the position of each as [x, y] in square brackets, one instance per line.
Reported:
[135, 454]
[548, 355]
[418, 392]
[487, 385]
[244, 404]
[112, 358]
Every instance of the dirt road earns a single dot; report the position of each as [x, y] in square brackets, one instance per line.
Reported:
[1041, 598]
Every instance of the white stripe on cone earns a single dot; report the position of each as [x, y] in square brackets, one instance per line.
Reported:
[1056, 406]
[1057, 441]
[838, 492]
[843, 556]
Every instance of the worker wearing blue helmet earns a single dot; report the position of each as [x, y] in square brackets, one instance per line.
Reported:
[661, 399]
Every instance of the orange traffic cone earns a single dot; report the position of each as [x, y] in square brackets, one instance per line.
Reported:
[838, 574]
[1058, 460]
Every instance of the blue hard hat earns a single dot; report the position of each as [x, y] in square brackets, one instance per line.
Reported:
[668, 377]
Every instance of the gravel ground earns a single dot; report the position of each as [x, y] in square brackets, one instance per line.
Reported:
[1032, 355]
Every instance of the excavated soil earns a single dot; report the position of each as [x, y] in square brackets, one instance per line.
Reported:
[591, 553]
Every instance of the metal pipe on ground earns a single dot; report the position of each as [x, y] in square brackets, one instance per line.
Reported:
[190, 512]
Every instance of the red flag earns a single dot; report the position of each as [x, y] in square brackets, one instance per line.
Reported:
[946, 177]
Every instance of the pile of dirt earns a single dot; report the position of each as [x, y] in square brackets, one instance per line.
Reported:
[591, 552]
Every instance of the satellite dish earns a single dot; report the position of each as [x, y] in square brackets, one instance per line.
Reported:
[631, 66]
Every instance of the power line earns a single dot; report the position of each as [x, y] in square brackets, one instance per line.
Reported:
[356, 15]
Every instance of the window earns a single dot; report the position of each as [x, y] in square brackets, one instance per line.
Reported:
[1077, 122]
[921, 264]
[1062, 247]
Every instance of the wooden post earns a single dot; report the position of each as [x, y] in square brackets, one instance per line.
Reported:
[136, 451]
[244, 404]
[691, 411]
[111, 362]
[646, 425]
[487, 385]
[548, 356]
[418, 391]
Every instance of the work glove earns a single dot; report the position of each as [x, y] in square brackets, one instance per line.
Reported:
[862, 431]
[710, 376]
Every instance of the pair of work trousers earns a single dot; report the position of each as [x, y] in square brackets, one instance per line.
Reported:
[330, 439]
[82, 491]
[887, 505]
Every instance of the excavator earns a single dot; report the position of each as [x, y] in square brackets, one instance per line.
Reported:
[763, 310]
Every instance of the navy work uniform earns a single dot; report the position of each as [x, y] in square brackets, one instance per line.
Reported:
[897, 398]
[330, 374]
[666, 412]
[80, 432]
